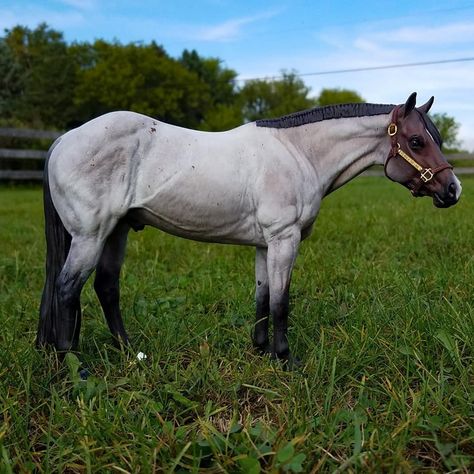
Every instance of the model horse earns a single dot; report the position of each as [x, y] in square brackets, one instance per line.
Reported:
[260, 184]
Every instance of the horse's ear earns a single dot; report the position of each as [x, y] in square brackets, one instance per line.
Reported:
[426, 107]
[409, 104]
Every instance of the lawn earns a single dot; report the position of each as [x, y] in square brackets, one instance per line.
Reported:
[382, 318]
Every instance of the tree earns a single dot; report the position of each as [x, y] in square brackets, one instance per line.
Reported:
[448, 128]
[10, 81]
[39, 80]
[338, 96]
[266, 99]
[219, 110]
[220, 80]
[137, 77]
[222, 117]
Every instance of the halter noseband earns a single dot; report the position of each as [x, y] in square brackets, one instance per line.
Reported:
[426, 174]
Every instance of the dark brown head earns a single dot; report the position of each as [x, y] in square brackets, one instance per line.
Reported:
[415, 159]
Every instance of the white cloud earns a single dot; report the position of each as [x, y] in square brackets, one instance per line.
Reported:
[444, 35]
[389, 43]
[226, 31]
[229, 30]
[80, 4]
[179, 32]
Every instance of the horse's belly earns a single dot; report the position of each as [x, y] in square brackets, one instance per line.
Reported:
[208, 224]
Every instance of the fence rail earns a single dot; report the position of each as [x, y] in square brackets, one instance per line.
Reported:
[21, 175]
[25, 154]
[29, 133]
[22, 157]
[35, 155]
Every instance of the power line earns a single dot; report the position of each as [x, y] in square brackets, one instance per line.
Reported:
[361, 69]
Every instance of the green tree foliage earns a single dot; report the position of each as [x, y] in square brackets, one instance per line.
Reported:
[220, 110]
[142, 78]
[10, 81]
[266, 99]
[222, 117]
[37, 77]
[219, 81]
[338, 96]
[448, 128]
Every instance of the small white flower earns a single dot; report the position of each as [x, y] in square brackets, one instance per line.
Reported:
[141, 356]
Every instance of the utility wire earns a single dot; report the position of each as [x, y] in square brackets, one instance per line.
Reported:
[361, 69]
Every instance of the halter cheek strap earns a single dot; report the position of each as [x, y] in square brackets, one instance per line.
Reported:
[426, 174]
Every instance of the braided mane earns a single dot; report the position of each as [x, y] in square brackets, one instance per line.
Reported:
[318, 114]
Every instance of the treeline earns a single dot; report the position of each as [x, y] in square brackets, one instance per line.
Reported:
[47, 83]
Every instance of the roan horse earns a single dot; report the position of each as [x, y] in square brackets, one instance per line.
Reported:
[259, 184]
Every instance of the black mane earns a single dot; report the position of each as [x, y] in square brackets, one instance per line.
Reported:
[318, 114]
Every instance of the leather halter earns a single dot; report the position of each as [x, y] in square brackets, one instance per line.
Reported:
[426, 174]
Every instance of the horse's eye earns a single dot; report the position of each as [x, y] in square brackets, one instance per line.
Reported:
[416, 142]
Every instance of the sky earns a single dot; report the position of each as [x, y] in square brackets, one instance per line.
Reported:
[312, 37]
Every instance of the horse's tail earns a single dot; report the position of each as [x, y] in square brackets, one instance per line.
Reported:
[58, 242]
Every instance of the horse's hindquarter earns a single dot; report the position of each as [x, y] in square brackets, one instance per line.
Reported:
[92, 171]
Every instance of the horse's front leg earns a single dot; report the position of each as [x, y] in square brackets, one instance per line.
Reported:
[262, 302]
[282, 252]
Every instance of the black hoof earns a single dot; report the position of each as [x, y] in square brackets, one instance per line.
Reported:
[294, 363]
[289, 362]
[120, 342]
[263, 349]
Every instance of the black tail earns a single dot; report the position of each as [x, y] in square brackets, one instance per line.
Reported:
[58, 242]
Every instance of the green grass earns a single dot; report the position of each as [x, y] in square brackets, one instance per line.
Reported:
[382, 317]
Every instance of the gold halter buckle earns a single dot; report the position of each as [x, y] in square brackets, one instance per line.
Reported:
[392, 129]
[427, 175]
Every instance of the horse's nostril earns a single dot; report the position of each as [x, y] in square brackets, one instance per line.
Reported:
[452, 190]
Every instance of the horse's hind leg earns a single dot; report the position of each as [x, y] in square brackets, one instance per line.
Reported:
[81, 261]
[106, 282]
[262, 300]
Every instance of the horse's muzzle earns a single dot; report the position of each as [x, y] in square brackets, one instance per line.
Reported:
[450, 196]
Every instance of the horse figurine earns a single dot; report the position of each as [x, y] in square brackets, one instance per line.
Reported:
[259, 184]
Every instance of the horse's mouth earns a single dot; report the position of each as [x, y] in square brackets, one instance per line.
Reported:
[440, 203]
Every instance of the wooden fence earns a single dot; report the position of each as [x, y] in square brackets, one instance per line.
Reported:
[33, 158]
[37, 156]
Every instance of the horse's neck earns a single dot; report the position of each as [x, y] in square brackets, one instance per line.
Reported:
[340, 149]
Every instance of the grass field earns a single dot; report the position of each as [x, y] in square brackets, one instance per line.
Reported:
[382, 317]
